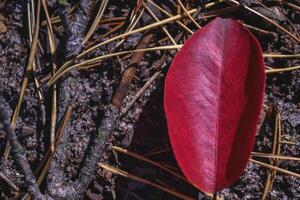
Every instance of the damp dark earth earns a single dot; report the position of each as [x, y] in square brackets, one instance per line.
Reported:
[82, 91]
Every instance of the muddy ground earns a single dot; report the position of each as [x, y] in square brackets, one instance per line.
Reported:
[143, 128]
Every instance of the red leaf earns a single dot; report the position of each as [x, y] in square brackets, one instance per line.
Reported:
[213, 96]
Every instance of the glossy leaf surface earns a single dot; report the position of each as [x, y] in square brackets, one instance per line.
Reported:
[213, 97]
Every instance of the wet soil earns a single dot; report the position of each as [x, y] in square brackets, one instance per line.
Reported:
[143, 128]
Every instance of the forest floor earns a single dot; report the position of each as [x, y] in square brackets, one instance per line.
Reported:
[140, 132]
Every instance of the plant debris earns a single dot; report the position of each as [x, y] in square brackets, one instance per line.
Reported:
[86, 75]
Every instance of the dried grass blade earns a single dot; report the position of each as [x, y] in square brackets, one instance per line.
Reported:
[96, 21]
[270, 21]
[150, 26]
[283, 171]
[265, 155]
[189, 16]
[139, 157]
[142, 180]
[28, 71]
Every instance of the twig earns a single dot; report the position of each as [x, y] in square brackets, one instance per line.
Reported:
[276, 168]
[137, 156]
[114, 29]
[158, 64]
[141, 180]
[75, 29]
[163, 28]
[186, 12]
[291, 5]
[288, 142]
[285, 69]
[278, 147]
[214, 3]
[73, 190]
[218, 12]
[282, 15]
[278, 55]
[9, 182]
[59, 134]
[52, 45]
[271, 156]
[45, 163]
[49, 25]
[150, 26]
[143, 89]
[96, 21]
[31, 24]
[169, 15]
[140, 92]
[97, 149]
[262, 31]
[28, 71]
[18, 152]
[56, 19]
[57, 187]
[271, 174]
[158, 152]
[269, 20]
[128, 74]
[134, 19]
[100, 58]
[113, 19]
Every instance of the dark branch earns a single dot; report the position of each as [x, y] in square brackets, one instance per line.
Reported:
[18, 152]
[129, 73]
[75, 29]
